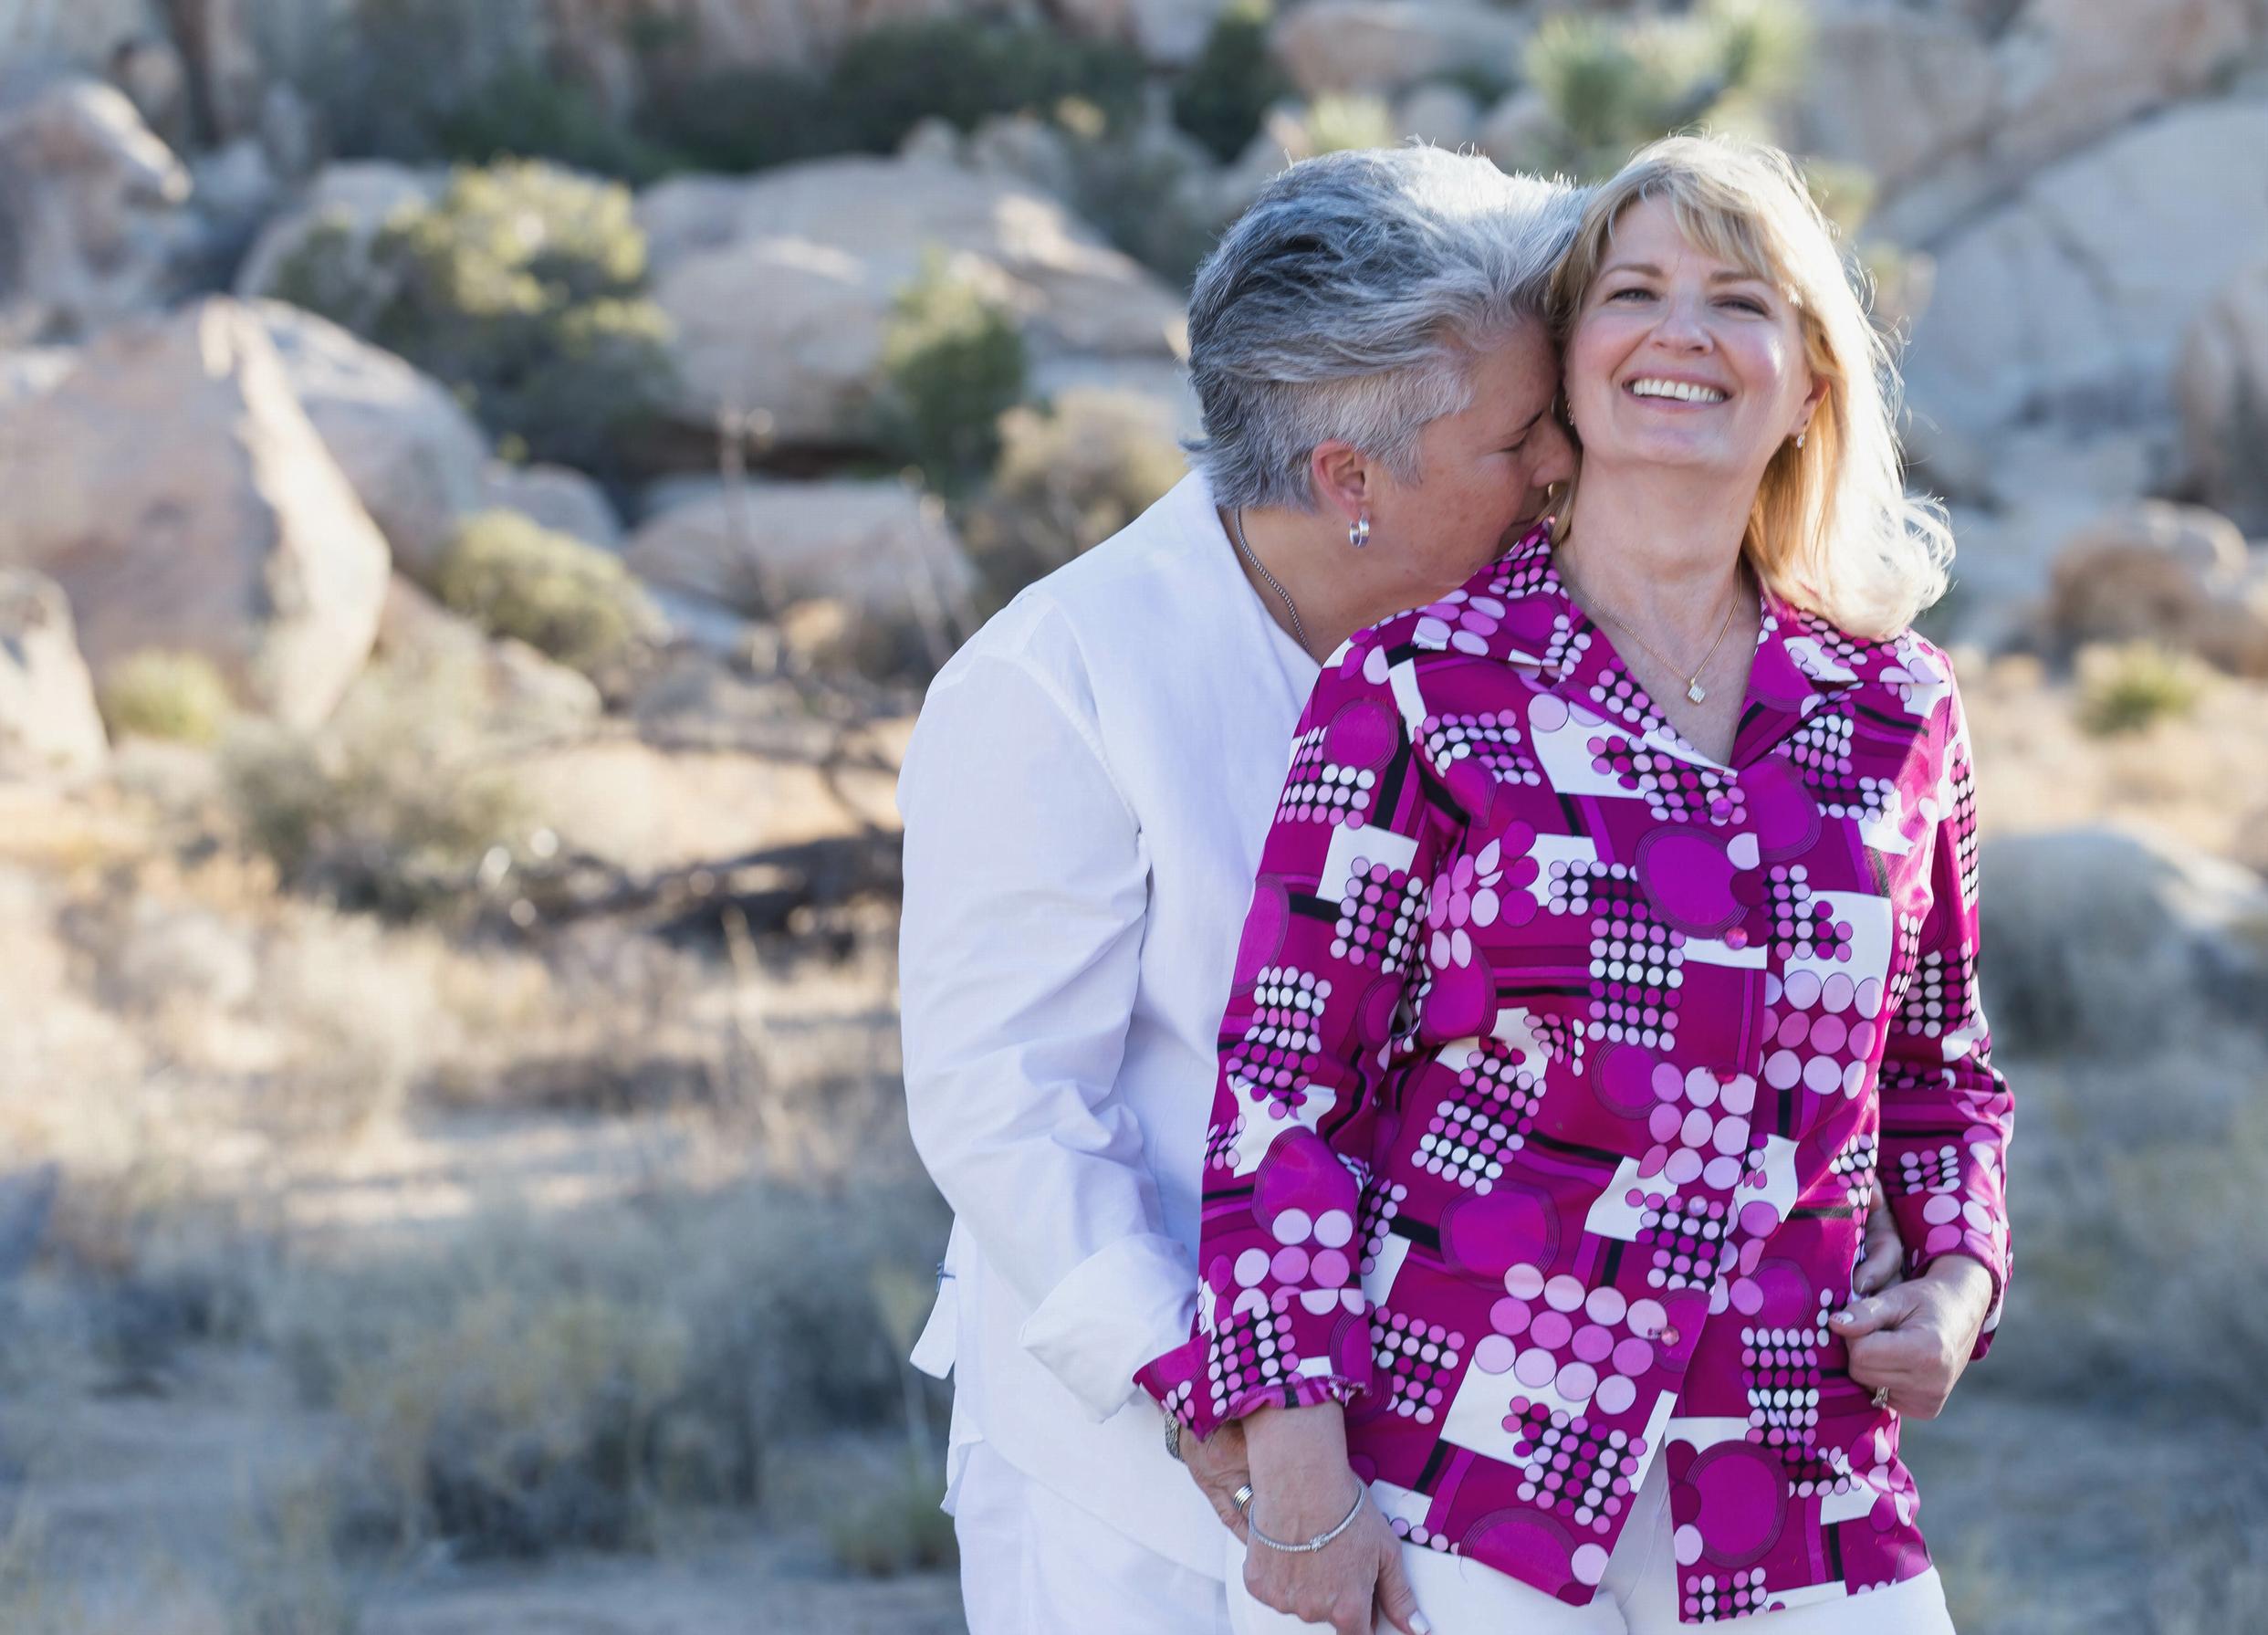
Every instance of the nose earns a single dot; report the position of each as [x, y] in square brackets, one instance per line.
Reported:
[1684, 325]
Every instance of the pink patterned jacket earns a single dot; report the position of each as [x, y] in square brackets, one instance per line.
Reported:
[1559, 1066]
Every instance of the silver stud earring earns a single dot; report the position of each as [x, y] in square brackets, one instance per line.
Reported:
[1799, 439]
[1358, 531]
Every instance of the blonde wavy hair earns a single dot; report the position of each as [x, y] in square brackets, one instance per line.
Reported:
[1832, 529]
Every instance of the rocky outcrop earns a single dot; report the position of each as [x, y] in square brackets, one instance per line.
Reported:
[874, 547]
[2178, 575]
[1387, 45]
[2161, 939]
[2069, 304]
[174, 488]
[88, 211]
[1948, 107]
[48, 723]
[561, 498]
[417, 460]
[516, 685]
[2220, 385]
[781, 287]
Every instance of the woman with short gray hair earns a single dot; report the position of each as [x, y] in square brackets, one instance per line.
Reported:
[1085, 797]
[1368, 349]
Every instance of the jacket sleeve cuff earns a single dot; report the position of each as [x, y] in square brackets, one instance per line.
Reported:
[1121, 1306]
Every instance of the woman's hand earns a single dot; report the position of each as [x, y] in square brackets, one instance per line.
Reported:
[1219, 1465]
[1303, 1486]
[1915, 1338]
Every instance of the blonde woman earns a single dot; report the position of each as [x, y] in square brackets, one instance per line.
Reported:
[1617, 928]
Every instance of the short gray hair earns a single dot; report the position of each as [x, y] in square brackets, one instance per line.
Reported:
[1350, 301]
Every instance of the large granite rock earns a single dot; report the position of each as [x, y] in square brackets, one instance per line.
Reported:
[874, 547]
[2068, 303]
[781, 285]
[2178, 575]
[48, 723]
[2220, 384]
[88, 208]
[415, 458]
[2103, 941]
[175, 489]
[1949, 108]
[1387, 45]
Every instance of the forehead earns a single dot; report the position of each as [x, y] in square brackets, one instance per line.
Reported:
[1664, 232]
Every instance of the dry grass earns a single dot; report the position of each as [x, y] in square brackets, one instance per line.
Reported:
[2200, 776]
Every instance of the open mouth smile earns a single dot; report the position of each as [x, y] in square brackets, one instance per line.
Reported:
[1663, 389]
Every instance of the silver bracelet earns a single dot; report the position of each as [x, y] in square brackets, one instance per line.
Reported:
[1320, 1540]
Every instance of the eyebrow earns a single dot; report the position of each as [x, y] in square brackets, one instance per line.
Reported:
[1530, 424]
[1652, 271]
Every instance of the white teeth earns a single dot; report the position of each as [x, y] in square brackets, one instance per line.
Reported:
[1680, 390]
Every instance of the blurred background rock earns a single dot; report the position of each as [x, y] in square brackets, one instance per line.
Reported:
[483, 484]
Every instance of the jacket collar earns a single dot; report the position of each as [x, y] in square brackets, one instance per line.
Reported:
[1801, 663]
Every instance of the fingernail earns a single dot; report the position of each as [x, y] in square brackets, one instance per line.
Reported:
[1417, 1621]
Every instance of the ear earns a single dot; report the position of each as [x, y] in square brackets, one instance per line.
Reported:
[1811, 400]
[1342, 477]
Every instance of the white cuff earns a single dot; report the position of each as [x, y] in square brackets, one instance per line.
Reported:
[1114, 1310]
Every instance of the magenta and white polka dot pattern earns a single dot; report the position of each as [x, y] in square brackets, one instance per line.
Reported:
[1561, 1064]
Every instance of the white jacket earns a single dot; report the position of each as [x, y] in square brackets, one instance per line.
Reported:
[1084, 799]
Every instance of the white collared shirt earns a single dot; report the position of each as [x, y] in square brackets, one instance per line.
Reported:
[1084, 799]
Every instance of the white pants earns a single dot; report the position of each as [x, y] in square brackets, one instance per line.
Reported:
[1032, 1563]
[1639, 1594]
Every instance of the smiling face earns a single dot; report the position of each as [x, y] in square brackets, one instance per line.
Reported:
[1679, 359]
[1482, 471]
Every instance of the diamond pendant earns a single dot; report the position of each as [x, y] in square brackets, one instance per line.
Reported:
[1693, 691]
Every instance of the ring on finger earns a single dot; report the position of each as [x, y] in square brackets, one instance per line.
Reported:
[1242, 1500]
[1882, 1396]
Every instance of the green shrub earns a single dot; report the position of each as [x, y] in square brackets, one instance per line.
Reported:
[390, 807]
[390, 76]
[159, 693]
[1230, 88]
[522, 286]
[2131, 688]
[888, 81]
[953, 362]
[1334, 123]
[745, 119]
[561, 595]
[1613, 86]
[527, 112]
[1138, 194]
[1069, 476]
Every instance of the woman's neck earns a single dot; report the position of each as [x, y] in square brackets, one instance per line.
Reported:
[1337, 589]
[1658, 551]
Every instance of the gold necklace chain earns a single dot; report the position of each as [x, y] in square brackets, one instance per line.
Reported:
[1693, 687]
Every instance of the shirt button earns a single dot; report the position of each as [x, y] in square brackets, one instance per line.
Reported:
[1736, 939]
[1669, 1336]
